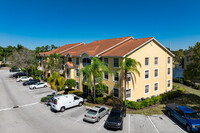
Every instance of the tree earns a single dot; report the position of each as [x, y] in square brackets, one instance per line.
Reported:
[55, 62]
[23, 58]
[57, 82]
[94, 72]
[193, 70]
[70, 83]
[129, 66]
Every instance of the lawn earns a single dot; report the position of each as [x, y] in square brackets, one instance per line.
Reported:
[191, 99]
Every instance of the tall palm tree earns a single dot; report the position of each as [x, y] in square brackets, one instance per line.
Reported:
[129, 66]
[94, 72]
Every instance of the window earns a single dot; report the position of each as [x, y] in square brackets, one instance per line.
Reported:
[128, 93]
[69, 59]
[116, 77]
[116, 92]
[169, 71]
[156, 87]
[77, 61]
[107, 90]
[168, 83]
[156, 73]
[156, 61]
[77, 74]
[129, 77]
[77, 85]
[146, 61]
[106, 61]
[168, 60]
[106, 75]
[146, 74]
[86, 61]
[116, 62]
[146, 89]
[187, 58]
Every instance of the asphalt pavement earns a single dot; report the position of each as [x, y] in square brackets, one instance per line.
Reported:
[22, 112]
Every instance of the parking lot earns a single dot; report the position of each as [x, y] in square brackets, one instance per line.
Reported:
[33, 116]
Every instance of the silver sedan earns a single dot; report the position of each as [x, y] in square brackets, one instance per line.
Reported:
[96, 113]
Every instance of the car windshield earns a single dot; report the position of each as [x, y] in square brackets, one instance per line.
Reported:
[115, 114]
[92, 112]
[36, 83]
[192, 116]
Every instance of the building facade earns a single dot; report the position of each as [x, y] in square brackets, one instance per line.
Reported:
[156, 71]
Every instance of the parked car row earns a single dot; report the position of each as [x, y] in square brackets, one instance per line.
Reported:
[34, 83]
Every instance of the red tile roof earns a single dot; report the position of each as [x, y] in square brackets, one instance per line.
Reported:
[126, 47]
[96, 47]
[61, 49]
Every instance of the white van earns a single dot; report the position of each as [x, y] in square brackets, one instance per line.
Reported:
[60, 103]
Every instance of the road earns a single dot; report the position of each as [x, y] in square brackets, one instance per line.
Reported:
[22, 112]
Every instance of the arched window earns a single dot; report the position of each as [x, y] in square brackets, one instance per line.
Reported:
[86, 61]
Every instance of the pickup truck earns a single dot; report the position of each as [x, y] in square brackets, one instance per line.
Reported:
[185, 115]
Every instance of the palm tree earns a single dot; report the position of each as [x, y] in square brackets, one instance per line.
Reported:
[94, 72]
[129, 66]
[55, 62]
[57, 82]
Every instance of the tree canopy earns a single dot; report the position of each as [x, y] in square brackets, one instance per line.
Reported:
[193, 70]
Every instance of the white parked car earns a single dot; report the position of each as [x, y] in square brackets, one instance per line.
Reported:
[38, 85]
[60, 103]
[23, 79]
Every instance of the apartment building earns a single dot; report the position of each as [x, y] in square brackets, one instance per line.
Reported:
[155, 73]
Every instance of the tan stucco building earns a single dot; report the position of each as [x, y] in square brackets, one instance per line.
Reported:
[155, 72]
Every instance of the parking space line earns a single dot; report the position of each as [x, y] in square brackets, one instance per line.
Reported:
[5, 109]
[29, 104]
[153, 125]
[101, 125]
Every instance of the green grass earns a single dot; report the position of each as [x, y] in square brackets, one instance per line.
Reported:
[191, 99]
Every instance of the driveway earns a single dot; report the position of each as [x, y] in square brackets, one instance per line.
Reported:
[21, 111]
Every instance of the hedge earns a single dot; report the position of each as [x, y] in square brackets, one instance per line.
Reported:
[76, 92]
[151, 101]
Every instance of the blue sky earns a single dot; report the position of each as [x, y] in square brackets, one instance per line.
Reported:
[40, 22]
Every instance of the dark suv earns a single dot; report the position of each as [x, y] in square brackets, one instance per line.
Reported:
[31, 82]
[19, 74]
[116, 116]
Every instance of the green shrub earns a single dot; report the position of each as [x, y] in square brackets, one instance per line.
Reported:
[70, 83]
[90, 99]
[100, 100]
[43, 99]
[151, 101]
[109, 102]
[76, 92]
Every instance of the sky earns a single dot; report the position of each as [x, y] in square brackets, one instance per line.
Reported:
[32, 23]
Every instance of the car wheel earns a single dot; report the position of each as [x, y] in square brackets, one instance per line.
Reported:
[98, 119]
[20, 81]
[34, 88]
[62, 109]
[80, 104]
[169, 113]
[45, 86]
[121, 128]
[188, 129]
